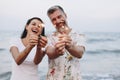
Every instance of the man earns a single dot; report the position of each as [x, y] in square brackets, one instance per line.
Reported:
[65, 48]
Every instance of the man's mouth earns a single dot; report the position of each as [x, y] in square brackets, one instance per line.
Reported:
[60, 24]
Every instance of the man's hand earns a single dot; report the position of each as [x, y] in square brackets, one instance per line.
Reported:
[60, 47]
[67, 39]
[33, 40]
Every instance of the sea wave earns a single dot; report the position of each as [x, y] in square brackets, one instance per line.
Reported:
[85, 76]
[103, 51]
[97, 43]
[100, 76]
[99, 40]
[5, 76]
[2, 49]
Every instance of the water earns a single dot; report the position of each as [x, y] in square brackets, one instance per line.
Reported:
[100, 61]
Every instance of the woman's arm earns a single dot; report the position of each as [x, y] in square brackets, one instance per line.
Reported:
[19, 57]
[39, 55]
[39, 52]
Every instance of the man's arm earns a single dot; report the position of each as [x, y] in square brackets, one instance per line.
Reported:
[56, 50]
[73, 49]
[76, 51]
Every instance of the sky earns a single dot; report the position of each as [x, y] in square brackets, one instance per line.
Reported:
[82, 15]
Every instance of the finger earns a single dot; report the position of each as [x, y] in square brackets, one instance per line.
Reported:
[57, 45]
[33, 41]
[33, 44]
[65, 38]
[61, 52]
[44, 39]
[62, 39]
[61, 48]
[68, 40]
[68, 44]
[61, 36]
[60, 42]
[42, 43]
[34, 36]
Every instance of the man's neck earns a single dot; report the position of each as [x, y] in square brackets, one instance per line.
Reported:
[65, 31]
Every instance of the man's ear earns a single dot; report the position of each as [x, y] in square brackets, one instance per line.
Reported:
[65, 15]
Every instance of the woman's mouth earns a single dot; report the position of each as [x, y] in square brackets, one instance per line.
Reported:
[35, 30]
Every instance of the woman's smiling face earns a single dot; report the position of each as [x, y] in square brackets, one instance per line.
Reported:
[35, 27]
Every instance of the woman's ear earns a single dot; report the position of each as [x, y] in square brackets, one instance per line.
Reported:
[26, 27]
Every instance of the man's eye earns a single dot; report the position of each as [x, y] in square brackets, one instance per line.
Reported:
[59, 17]
[53, 19]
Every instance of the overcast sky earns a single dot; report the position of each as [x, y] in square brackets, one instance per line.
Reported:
[83, 15]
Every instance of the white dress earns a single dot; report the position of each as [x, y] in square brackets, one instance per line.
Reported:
[27, 70]
[65, 67]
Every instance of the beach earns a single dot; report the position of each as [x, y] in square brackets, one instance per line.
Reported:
[101, 60]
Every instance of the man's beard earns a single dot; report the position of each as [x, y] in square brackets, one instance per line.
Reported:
[61, 26]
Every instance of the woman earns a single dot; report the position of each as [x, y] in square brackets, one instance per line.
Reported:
[27, 51]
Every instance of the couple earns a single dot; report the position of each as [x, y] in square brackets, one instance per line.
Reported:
[64, 49]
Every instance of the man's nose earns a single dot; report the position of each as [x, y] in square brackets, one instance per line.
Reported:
[58, 20]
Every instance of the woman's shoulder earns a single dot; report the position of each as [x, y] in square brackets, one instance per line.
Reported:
[14, 41]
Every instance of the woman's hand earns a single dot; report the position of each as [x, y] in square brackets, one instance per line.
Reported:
[42, 41]
[33, 40]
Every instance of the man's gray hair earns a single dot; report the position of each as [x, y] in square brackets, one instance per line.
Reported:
[53, 9]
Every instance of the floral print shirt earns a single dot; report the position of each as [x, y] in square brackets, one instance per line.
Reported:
[65, 67]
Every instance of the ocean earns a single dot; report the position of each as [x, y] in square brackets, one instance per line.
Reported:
[101, 60]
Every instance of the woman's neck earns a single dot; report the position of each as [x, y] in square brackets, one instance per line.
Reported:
[25, 41]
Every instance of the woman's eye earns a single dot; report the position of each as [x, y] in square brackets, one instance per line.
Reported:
[34, 24]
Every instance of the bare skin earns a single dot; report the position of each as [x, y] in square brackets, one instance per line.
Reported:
[30, 41]
[58, 18]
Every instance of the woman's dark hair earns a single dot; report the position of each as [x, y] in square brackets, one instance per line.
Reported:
[28, 22]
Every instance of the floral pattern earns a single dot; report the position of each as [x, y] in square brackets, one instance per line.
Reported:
[65, 67]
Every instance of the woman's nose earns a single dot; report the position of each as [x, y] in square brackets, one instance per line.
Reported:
[38, 26]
